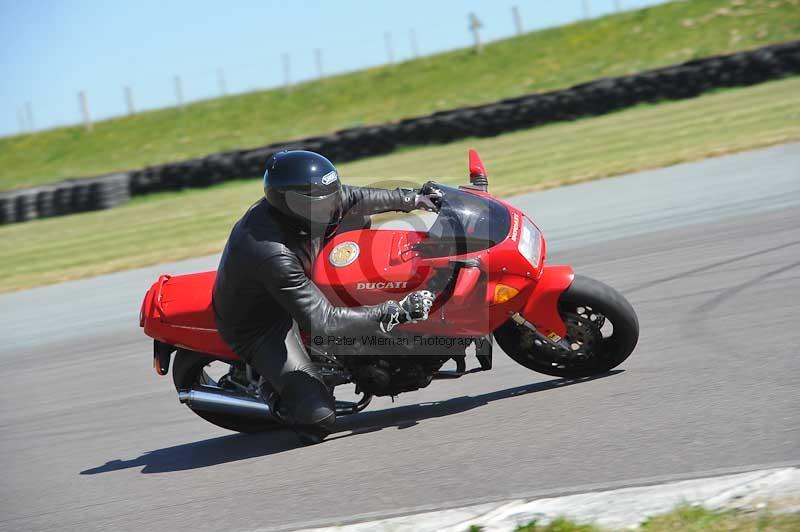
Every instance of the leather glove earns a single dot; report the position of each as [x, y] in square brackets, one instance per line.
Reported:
[429, 197]
[412, 308]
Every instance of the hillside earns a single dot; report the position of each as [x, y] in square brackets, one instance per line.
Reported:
[553, 58]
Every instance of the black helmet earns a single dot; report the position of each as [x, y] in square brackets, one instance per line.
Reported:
[305, 187]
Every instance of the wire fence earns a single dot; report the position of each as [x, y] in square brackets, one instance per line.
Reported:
[284, 70]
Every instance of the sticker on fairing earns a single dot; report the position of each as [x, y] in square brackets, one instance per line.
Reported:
[344, 254]
[554, 337]
[515, 227]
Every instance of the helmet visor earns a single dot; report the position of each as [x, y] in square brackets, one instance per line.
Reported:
[317, 210]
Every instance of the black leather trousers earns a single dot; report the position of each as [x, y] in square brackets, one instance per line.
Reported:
[304, 399]
[285, 364]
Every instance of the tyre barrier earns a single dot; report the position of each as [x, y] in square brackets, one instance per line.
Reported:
[7, 208]
[25, 207]
[66, 197]
[596, 97]
[45, 202]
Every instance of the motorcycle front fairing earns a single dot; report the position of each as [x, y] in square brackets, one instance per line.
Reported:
[477, 249]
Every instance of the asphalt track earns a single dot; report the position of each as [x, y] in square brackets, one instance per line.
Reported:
[708, 253]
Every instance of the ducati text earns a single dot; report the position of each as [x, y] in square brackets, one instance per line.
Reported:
[381, 285]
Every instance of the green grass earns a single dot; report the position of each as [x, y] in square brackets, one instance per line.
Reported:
[698, 519]
[171, 226]
[557, 525]
[686, 519]
[554, 58]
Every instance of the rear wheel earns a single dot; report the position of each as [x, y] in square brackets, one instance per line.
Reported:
[602, 330]
[190, 369]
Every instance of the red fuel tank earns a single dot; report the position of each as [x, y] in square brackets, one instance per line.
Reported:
[367, 267]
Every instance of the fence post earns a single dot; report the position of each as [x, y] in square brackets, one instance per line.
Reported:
[21, 119]
[221, 82]
[474, 26]
[412, 36]
[618, 5]
[287, 80]
[179, 91]
[517, 20]
[84, 103]
[387, 39]
[318, 60]
[29, 116]
[587, 9]
[129, 100]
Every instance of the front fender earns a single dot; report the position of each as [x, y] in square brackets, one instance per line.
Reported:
[541, 309]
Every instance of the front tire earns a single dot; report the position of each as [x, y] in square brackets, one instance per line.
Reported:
[189, 370]
[586, 307]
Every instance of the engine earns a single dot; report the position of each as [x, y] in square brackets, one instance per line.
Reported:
[391, 365]
[392, 375]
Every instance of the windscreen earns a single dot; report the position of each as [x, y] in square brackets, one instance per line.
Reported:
[466, 223]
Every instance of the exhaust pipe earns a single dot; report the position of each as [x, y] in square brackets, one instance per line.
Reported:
[212, 399]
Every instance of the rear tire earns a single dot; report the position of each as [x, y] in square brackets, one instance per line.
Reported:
[188, 370]
[582, 306]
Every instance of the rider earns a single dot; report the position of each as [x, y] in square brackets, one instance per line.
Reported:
[263, 286]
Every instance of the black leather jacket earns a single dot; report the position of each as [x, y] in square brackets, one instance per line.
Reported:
[262, 281]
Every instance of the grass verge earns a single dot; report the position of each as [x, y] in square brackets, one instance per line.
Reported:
[176, 225]
[553, 58]
[684, 519]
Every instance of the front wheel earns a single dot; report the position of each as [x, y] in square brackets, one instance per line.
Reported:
[602, 330]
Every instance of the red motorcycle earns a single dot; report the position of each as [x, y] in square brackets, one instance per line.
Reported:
[485, 261]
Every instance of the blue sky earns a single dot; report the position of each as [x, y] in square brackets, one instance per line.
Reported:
[50, 50]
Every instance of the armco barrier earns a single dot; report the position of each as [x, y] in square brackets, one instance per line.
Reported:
[596, 97]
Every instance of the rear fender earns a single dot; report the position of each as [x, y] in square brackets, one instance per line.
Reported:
[541, 308]
[161, 355]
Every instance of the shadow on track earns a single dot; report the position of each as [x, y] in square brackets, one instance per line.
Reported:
[235, 447]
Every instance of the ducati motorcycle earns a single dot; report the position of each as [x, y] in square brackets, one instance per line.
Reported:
[486, 262]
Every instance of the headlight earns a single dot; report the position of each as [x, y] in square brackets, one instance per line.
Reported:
[530, 242]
